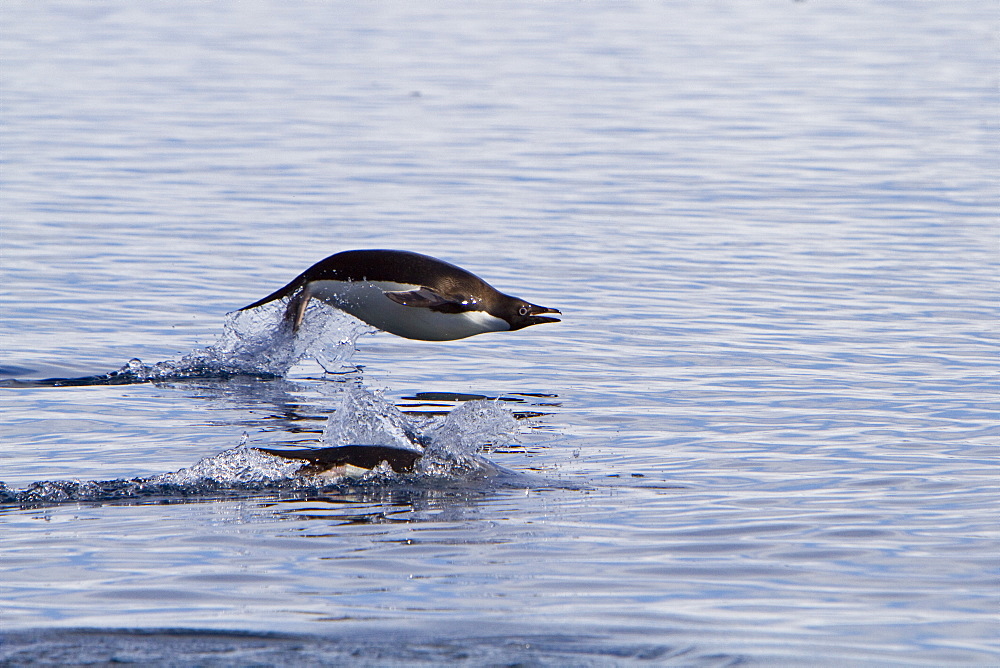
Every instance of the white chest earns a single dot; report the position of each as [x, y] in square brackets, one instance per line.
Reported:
[366, 300]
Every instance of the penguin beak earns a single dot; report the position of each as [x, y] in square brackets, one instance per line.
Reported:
[534, 314]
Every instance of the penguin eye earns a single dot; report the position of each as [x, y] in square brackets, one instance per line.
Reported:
[523, 310]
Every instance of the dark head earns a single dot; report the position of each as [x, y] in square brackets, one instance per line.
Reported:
[521, 314]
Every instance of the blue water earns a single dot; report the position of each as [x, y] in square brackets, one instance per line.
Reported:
[765, 432]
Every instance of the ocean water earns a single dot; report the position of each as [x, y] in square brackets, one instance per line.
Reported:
[766, 431]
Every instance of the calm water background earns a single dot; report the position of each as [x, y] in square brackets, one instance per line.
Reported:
[772, 229]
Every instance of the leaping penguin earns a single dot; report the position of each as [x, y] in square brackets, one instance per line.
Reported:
[407, 294]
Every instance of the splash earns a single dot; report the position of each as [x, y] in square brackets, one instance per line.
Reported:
[481, 424]
[453, 445]
[256, 342]
[261, 341]
[450, 445]
[239, 466]
[234, 472]
[365, 416]
[451, 448]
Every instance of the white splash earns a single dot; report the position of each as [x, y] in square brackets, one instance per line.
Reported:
[473, 426]
[260, 341]
[455, 443]
[365, 417]
[231, 468]
[453, 450]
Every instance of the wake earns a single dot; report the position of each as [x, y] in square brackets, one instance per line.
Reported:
[257, 342]
[450, 450]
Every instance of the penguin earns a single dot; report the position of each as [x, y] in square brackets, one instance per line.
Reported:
[350, 460]
[407, 294]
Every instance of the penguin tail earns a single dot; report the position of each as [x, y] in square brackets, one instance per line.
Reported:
[296, 309]
[277, 294]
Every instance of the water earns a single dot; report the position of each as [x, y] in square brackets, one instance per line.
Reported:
[766, 431]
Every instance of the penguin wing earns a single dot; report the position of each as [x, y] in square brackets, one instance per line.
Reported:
[432, 300]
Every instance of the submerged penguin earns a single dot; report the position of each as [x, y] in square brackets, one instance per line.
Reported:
[347, 460]
[407, 294]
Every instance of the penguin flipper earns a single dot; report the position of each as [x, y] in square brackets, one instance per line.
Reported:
[428, 299]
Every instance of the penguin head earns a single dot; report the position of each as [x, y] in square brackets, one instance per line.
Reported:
[520, 314]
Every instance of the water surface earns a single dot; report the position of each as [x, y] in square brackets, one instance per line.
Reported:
[765, 431]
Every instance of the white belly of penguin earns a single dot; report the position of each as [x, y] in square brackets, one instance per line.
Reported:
[366, 301]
